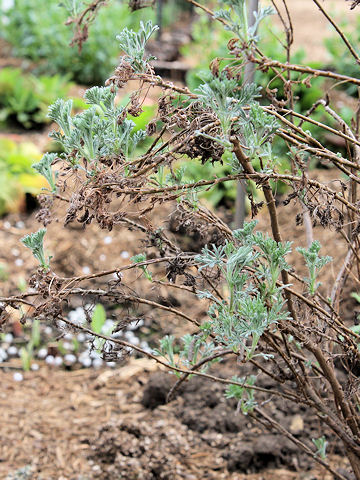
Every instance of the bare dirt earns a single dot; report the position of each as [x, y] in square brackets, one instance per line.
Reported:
[311, 27]
[116, 425]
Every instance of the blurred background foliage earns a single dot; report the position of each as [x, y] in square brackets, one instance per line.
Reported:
[36, 31]
[17, 178]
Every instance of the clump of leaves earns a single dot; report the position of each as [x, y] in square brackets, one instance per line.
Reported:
[314, 264]
[99, 131]
[44, 168]
[25, 98]
[35, 242]
[244, 394]
[141, 258]
[133, 44]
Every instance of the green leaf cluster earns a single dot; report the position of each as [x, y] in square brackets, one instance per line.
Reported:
[314, 264]
[140, 258]
[98, 131]
[250, 307]
[237, 20]
[25, 98]
[134, 43]
[44, 168]
[188, 352]
[35, 242]
[244, 395]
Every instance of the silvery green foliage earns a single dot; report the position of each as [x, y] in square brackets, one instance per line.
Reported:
[244, 395]
[133, 44]
[140, 258]
[35, 241]
[237, 19]
[44, 168]
[72, 7]
[239, 113]
[194, 348]
[96, 132]
[250, 308]
[321, 445]
[226, 99]
[256, 133]
[314, 264]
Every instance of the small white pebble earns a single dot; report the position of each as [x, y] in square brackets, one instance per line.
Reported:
[58, 361]
[7, 225]
[68, 336]
[61, 325]
[68, 345]
[3, 354]
[129, 335]
[107, 328]
[20, 224]
[48, 330]
[86, 270]
[146, 348]
[102, 257]
[108, 240]
[69, 358]
[117, 276]
[18, 377]
[35, 367]
[97, 362]
[19, 262]
[94, 354]
[77, 315]
[50, 359]
[15, 252]
[81, 337]
[111, 364]
[42, 353]
[124, 254]
[86, 362]
[12, 350]
[8, 337]
[135, 325]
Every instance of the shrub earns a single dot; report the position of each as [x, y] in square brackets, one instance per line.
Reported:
[25, 99]
[261, 309]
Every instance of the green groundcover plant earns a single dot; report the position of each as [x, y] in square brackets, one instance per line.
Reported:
[36, 30]
[24, 98]
[262, 309]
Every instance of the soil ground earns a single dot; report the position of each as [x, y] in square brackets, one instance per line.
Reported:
[104, 424]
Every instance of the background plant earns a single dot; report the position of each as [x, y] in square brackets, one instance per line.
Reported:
[37, 31]
[17, 178]
[24, 98]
